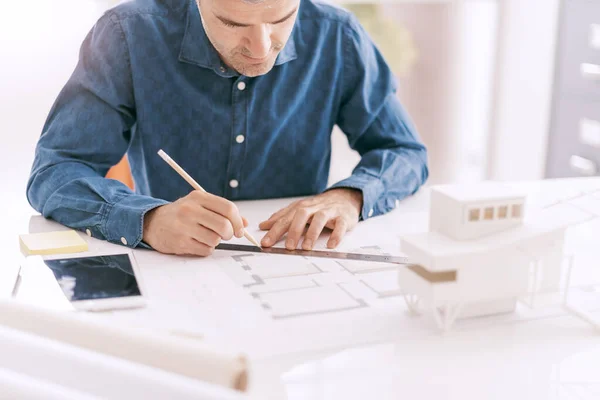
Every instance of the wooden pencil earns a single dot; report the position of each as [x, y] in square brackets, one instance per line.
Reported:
[196, 186]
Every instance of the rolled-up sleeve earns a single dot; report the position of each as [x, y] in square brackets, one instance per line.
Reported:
[87, 131]
[393, 161]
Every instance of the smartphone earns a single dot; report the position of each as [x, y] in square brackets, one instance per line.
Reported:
[92, 282]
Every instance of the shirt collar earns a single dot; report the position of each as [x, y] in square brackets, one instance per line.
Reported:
[197, 49]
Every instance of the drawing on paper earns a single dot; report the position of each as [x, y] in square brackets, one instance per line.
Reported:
[293, 286]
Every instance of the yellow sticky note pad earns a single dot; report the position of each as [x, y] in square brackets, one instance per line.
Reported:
[52, 243]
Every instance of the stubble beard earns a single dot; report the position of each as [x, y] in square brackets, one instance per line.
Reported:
[253, 70]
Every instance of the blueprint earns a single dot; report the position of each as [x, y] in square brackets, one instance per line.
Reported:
[295, 286]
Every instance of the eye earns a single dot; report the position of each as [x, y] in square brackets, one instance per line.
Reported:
[227, 24]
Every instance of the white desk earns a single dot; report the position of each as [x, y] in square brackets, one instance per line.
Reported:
[379, 352]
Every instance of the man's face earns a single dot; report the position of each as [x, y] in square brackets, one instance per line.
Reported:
[249, 34]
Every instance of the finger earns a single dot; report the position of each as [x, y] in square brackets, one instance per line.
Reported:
[206, 236]
[217, 223]
[268, 224]
[222, 207]
[319, 221]
[341, 227]
[297, 227]
[277, 231]
[245, 221]
[196, 248]
[275, 216]
[187, 245]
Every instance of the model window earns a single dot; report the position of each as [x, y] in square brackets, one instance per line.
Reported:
[516, 211]
[488, 213]
[474, 214]
[502, 212]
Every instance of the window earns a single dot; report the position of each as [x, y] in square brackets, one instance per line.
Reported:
[502, 212]
[516, 211]
[488, 213]
[474, 214]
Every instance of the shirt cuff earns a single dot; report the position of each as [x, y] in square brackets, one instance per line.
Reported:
[372, 189]
[144, 245]
[125, 219]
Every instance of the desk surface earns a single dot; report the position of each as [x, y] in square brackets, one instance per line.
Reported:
[377, 348]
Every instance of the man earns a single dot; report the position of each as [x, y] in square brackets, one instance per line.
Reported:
[243, 94]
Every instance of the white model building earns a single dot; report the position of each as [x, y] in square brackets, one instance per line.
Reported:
[482, 253]
[467, 212]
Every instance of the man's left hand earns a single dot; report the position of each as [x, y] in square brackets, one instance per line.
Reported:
[337, 209]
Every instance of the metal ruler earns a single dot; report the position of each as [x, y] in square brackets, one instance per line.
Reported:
[433, 277]
[315, 253]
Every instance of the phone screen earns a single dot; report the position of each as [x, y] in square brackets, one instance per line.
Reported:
[97, 277]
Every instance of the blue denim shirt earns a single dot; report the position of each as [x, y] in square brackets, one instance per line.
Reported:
[148, 78]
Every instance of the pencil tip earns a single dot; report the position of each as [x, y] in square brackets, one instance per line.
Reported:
[251, 239]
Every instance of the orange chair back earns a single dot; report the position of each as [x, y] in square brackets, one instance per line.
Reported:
[122, 173]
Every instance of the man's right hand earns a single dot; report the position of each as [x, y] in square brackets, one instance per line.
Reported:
[193, 225]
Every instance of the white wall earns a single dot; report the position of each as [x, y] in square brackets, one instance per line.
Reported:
[474, 87]
[528, 32]
[39, 42]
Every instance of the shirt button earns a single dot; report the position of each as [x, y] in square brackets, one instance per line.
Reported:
[222, 69]
[88, 232]
[233, 183]
[370, 213]
[241, 85]
[240, 139]
[124, 241]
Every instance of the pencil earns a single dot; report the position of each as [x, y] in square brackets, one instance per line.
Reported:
[196, 186]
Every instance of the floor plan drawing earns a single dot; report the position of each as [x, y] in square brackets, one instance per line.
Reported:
[295, 286]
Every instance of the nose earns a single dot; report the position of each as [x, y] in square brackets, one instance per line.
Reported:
[259, 41]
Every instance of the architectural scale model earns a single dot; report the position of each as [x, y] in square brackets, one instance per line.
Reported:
[483, 253]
